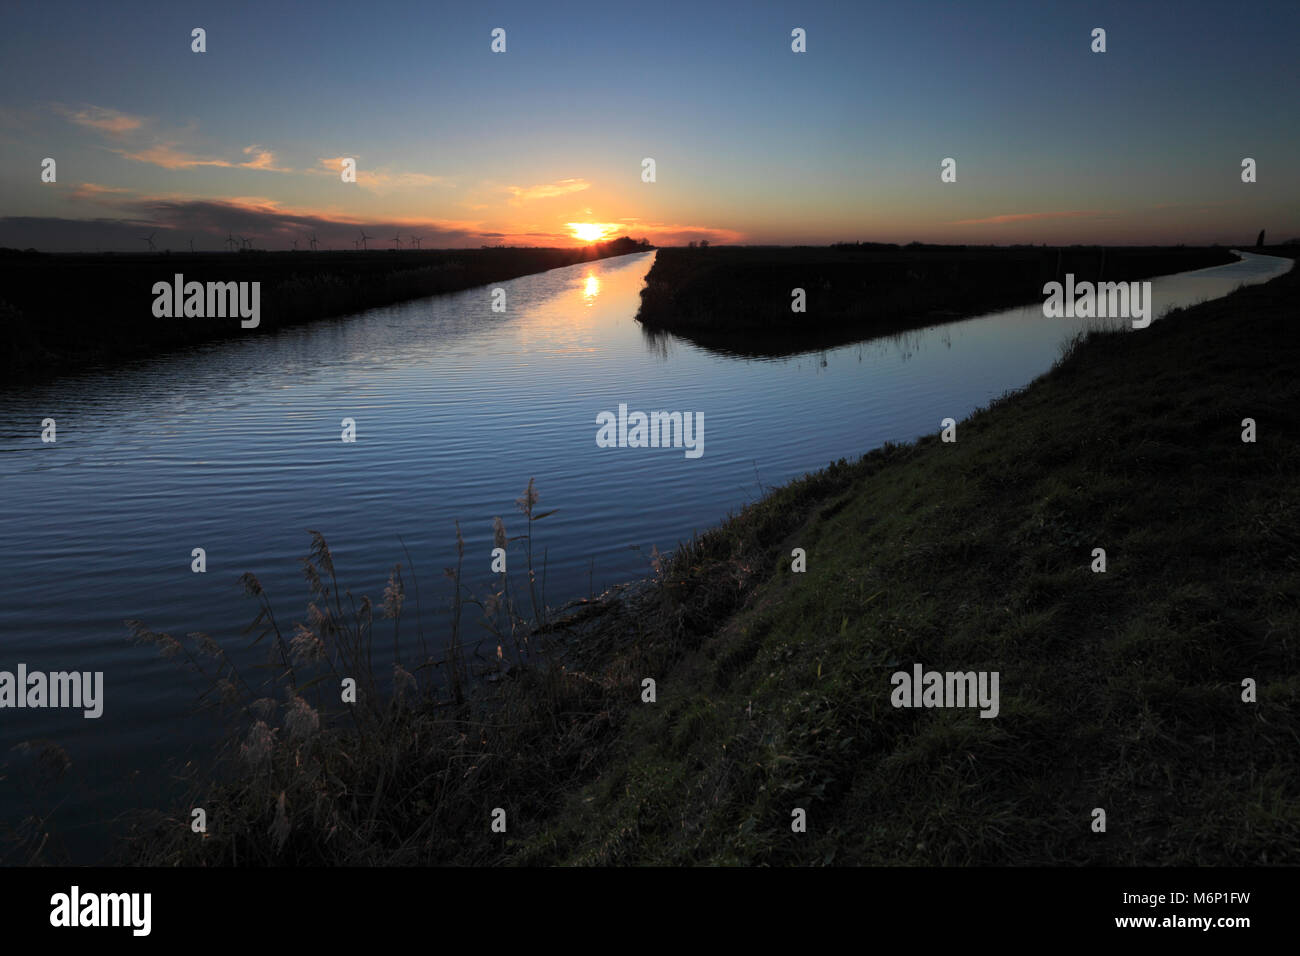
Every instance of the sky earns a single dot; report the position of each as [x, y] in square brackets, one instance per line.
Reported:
[752, 142]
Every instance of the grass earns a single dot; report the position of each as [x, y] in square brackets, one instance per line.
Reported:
[738, 299]
[1120, 690]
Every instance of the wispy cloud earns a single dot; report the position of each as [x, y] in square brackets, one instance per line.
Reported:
[103, 119]
[522, 194]
[381, 179]
[94, 192]
[133, 139]
[1026, 216]
[169, 155]
[263, 158]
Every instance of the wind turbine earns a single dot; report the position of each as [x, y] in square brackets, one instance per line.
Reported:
[295, 245]
[364, 237]
[230, 241]
[149, 239]
[191, 247]
[398, 239]
[312, 240]
[415, 240]
[247, 243]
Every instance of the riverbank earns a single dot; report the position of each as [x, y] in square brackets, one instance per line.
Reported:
[1119, 690]
[59, 312]
[737, 299]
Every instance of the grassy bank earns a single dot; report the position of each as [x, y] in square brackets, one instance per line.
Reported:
[1119, 690]
[737, 299]
[61, 311]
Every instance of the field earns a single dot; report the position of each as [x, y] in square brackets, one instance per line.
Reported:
[737, 299]
[58, 312]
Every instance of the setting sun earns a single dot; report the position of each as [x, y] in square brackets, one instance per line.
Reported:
[591, 231]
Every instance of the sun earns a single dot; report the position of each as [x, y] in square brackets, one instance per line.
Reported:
[589, 231]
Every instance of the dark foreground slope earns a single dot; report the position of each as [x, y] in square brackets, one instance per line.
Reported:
[1120, 691]
[60, 311]
[737, 299]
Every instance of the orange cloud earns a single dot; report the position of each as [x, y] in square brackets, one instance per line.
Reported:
[94, 192]
[523, 194]
[1025, 216]
[159, 151]
[380, 179]
[100, 118]
[263, 158]
[169, 156]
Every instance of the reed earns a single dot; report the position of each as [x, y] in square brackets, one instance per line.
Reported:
[397, 776]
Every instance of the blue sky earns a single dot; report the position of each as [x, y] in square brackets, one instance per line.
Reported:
[753, 143]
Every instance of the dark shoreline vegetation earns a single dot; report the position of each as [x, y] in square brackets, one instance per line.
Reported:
[61, 311]
[1119, 690]
[736, 299]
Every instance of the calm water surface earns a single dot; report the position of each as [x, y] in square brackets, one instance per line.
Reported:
[235, 447]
